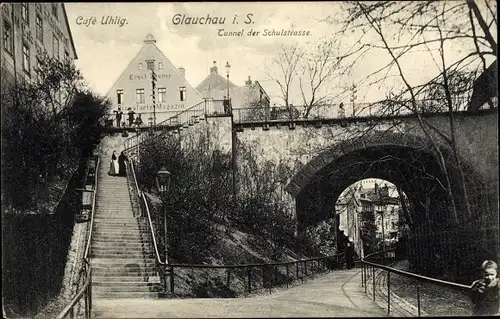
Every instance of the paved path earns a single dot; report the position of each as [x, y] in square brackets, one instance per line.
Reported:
[338, 294]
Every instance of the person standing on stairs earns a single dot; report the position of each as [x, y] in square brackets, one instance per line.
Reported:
[122, 170]
[113, 166]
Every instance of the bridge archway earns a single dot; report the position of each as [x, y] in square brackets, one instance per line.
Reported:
[408, 162]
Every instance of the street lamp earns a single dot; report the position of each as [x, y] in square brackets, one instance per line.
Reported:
[163, 185]
[233, 139]
[228, 68]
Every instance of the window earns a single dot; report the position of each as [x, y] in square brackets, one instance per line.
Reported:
[38, 70]
[39, 28]
[140, 66]
[162, 95]
[7, 37]
[139, 96]
[55, 47]
[26, 58]
[66, 56]
[150, 65]
[160, 65]
[182, 91]
[54, 10]
[25, 12]
[119, 96]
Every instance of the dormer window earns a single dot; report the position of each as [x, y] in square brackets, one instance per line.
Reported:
[160, 65]
[140, 66]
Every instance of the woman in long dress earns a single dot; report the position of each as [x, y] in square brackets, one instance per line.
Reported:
[113, 166]
[122, 170]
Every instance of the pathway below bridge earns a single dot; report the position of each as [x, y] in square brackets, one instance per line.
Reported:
[337, 294]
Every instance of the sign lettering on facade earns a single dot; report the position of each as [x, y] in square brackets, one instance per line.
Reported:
[148, 76]
[160, 106]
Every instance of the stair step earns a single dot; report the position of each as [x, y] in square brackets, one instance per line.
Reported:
[100, 262]
[130, 285]
[114, 254]
[125, 245]
[121, 250]
[113, 272]
[126, 279]
[125, 294]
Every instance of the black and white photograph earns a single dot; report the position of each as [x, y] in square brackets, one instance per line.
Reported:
[249, 159]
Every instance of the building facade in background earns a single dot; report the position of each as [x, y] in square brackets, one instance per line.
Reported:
[133, 90]
[369, 196]
[250, 95]
[30, 30]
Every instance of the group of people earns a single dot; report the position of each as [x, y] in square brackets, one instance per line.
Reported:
[132, 120]
[117, 166]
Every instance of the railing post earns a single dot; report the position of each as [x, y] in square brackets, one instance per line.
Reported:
[388, 292]
[418, 298]
[373, 281]
[228, 281]
[287, 276]
[90, 293]
[274, 275]
[366, 279]
[297, 269]
[305, 267]
[72, 312]
[249, 277]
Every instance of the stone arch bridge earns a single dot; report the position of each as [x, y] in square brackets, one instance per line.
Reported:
[325, 156]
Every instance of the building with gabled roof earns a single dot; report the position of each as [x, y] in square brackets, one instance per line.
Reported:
[133, 87]
[250, 95]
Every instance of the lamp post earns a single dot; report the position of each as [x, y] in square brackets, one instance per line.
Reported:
[163, 185]
[228, 68]
[381, 212]
[233, 140]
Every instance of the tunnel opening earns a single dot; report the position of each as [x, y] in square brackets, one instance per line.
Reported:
[440, 243]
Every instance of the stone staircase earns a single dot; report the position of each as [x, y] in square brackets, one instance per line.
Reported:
[122, 253]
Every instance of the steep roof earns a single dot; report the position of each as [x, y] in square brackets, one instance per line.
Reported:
[485, 87]
[214, 82]
[148, 47]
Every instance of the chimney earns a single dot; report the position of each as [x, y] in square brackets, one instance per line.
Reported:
[214, 68]
[249, 81]
[182, 71]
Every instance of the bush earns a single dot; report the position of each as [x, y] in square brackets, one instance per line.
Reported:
[45, 133]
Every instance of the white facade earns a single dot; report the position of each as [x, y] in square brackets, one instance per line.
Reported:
[133, 88]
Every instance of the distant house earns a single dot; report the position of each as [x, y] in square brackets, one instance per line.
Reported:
[133, 88]
[250, 95]
[382, 201]
[485, 88]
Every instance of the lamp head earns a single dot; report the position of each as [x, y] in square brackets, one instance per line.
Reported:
[163, 180]
[228, 68]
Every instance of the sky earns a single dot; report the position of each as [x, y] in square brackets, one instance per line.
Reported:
[105, 50]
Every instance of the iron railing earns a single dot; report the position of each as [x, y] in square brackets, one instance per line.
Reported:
[180, 120]
[256, 276]
[378, 276]
[86, 290]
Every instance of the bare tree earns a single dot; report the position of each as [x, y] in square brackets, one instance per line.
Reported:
[433, 30]
[284, 69]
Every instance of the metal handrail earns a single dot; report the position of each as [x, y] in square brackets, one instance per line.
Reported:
[165, 122]
[283, 263]
[390, 270]
[412, 275]
[161, 123]
[86, 290]
[143, 198]
[69, 309]
[96, 174]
